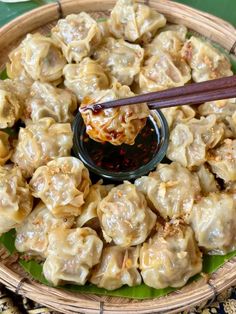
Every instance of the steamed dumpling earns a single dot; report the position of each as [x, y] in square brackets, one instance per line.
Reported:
[223, 160]
[125, 217]
[190, 141]
[39, 58]
[77, 35]
[118, 267]
[206, 62]
[135, 22]
[207, 180]
[121, 58]
[179, 114]
[62, 185]
[46, 100]
[40, 142]
[32, 235]
[5, 149]
[71, 255]
[170, 258]
[170, 190]
[161, 72]
[85, 78]
[20, 89]
[118, 125]
[221, 108]
[213, 220]
[15, 198]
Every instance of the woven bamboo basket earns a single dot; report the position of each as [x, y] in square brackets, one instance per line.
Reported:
[11, 275]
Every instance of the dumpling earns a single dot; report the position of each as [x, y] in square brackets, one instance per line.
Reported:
[40, 142]
[118, 267]
[125, 217]
[16, 201]
[121, 58]
[71, 255]
[207, 180]
[190, 141]
[206, 62]
[32, 235]
[89, 210]
[223, 160]
[170, 190]
[221, 108]
[170, 39]
[213, 219]
[77, 35]
[135, 22]
[20, 89]
[161, 72]
[5, 148]
[10, 107]
[170, 258]
[179, 114]
[46, 100]
[39, 57]
[62, 185]
[85, 78]
[115, 125]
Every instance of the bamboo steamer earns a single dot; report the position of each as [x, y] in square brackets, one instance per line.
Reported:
[11, 275]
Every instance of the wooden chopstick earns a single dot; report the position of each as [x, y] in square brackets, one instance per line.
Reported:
[191, 94]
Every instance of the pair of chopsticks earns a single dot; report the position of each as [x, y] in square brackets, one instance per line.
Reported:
[192, 94]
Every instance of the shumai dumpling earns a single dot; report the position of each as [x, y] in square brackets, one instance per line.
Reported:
[5, 149]
[16, 201]
[121, 58]
[179, 114]
[40, 142]
[161, 72]
[207, 180]
[89, 210]
[118, 125]
[170, 258]
[190, 141]
[206, 62]
[32, 235]
[118, 267]
[62, 185]
[170, 39]
[223, 160]
[71, 255]
[46, 100]
[39, 57]
[85, 78]
[125, 217]
[213, 219]
[170, 190]
[77, 35]
[10, 107]
[135, 22]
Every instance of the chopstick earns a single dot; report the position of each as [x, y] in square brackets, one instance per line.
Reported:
[196, 93]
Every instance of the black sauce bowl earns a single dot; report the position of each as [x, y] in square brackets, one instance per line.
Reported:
[124, 162]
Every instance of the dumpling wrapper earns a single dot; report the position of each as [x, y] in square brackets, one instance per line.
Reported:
[38, 58]
[206, 62]
[5, 148]
[135, 22]
[46, 100]
[71, 255]
[118, 125]
[16, 201]
[121, 58]
[32, 235]
[125, 217]
[170, 258]
[213, 220]
[118, 267]
[62, 185]
[85, 78]
[77, 35]
[170, 190]
[178, 114]
[223, 160]
[207, 180]
[41, 142]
